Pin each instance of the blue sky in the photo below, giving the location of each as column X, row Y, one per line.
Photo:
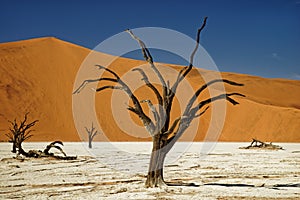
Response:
column 257, row 37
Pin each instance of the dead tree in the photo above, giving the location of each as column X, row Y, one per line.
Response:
column 47, row 153
column 164, row 133
column 19, row 132
column 91, row 134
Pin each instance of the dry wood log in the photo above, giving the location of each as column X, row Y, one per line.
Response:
column 257, row 144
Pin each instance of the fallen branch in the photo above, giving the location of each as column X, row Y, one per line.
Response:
column 46, row 153
column 257, row 144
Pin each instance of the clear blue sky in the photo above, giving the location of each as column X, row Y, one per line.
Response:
column 258, row 37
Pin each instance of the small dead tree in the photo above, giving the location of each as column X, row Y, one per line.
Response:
column 19, row 132
column 164, row 133
column 91, row 134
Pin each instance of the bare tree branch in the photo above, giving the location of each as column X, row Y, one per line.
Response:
column 174, row 87
column 176, row 121
column 109, row 87
column 144, row 49
column 27, row 135
column 92, row 129
column 153, row 110
column 183, row 125
column 95, row 133
column 184, row 122
column 53, row 145
column 201, row 89
column 23, row 128
column 198, row 41
column 85, row 82
column 150, row 85
column 149, row 59
column 181, row 75
column 183, row 72
column 86, row 129
column 108, row 70
column 146, row 120
column 200, row 114
column 156, row 92
column 19, row 133
column 137, row 107
column 22, row 123
column 210, row 100
column 132, row 109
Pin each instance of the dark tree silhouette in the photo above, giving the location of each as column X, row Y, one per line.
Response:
column 164, row 133
column 91, row 134
column 47, row 153
column 257, row 144
column 19, row 132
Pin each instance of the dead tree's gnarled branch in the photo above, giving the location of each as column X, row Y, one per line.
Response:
column 136, row 109
column 19, row 132
column 257, row 144
column 84, row 83
column 109, row 87
column 192, row 114
column 197, row 43
column 183, row 72
column 149, row 59
column 172, row 128
column 154, row 112
column 193, row 111
column 157, row 94
column 202, row 88
column 150, row 85
column 201, row 113
column 46, row 153
column 137, row 106
column 53, row 145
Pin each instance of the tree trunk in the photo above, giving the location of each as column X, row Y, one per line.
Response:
column 90, row 143
column 21, row 151
column 14, row 149
column 155, row 172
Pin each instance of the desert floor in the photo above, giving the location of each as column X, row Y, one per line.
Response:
column 117, row 171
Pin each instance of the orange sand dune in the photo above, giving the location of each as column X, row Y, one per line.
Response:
column 37, row 76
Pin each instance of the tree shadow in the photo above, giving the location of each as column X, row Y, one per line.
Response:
column 180, row 183
column 293, row 185
column 229, row 184
column 276, row 186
